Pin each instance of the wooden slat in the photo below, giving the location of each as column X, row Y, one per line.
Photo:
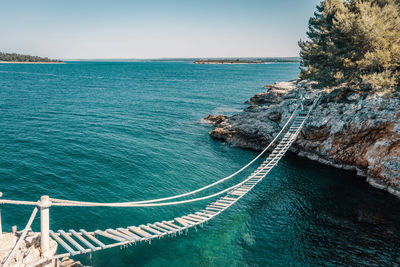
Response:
column 214, row 208
column 119, row 234
column 72, row 241
column 139, row 231
column 204, row 214
column 172, row 225
column 230, row 198
column 83, row 240
column 151, row 230
column 213, row 213
column 94, row 239
column 236, row 193
column 203, row 218
column 183, row 222
column 110, row 236
column 194, row 221
column 129, row 233
column 160, row 228
column 62, row 243
column 222, row 203
column 166, row 227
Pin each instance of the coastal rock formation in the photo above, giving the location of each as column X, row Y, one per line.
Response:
column 28, row 253
column 347, row 129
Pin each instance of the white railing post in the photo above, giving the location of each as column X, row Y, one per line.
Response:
column 45, row 204
column 1, row 228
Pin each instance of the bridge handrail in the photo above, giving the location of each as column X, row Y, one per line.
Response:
column 129, row 204
column 149, row 204
column 64, row 201
column 145, row 203
column 217, row 207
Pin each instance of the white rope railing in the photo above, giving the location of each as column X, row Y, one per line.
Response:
column 128, row 204
column 264, row 169
column 146, row 203
column 17, row 202
column 149, row 204
column 136, row 203
column 281, row 150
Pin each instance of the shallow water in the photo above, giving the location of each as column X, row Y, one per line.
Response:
column 133, row 131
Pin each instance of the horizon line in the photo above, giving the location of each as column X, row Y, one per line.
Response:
column 163, row 58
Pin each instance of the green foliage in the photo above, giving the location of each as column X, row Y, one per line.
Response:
column 355, row 41
column 13, row 57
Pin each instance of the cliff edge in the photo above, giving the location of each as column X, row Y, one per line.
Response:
column 347, row 129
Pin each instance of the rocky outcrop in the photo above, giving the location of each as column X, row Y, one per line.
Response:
column 28, row 252
column 347, row 129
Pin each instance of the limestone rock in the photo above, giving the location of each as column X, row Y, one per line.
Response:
column 28, row 253
column 215, row 119
column 346, row 129
column 67, row 262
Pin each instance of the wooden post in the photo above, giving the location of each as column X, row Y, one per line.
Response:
column 45, row 204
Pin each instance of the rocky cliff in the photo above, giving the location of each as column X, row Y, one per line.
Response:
column 347, row 129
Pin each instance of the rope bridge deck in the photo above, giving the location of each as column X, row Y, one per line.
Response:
column 76, row 242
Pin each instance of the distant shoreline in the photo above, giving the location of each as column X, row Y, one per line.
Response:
column 227, row 61
column 28, row 62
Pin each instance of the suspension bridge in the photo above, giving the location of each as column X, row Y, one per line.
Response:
column 74, row 242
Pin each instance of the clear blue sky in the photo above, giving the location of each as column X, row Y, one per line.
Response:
column 154, row 29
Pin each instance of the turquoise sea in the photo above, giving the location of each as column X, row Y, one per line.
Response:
column 101, row 131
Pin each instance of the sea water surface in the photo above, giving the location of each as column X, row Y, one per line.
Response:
column 108, row 132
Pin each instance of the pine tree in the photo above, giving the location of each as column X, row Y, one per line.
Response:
column 357, row 42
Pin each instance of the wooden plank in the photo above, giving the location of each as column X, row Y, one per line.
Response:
column 236, row 193
column 91, row 237
column 243, row 190
column 225, row 201
column 139, row 231
column 230, row 198
column 204, row 214
column 215, row 208
column 83, row 240
column 166, row 227
column 222, row 203
column 213, row 213
column 248, row 187
column 183, row 222
column 110, row 236
column 219, row 205
column 198, row 217
column 194, row 221
column 129, row 233
column 72, row 241
column 151, row 230
column 62, row 243
column 159, row 228
column 119, row 234
column 172, row 225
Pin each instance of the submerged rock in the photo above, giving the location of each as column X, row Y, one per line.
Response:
column 346, row 129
